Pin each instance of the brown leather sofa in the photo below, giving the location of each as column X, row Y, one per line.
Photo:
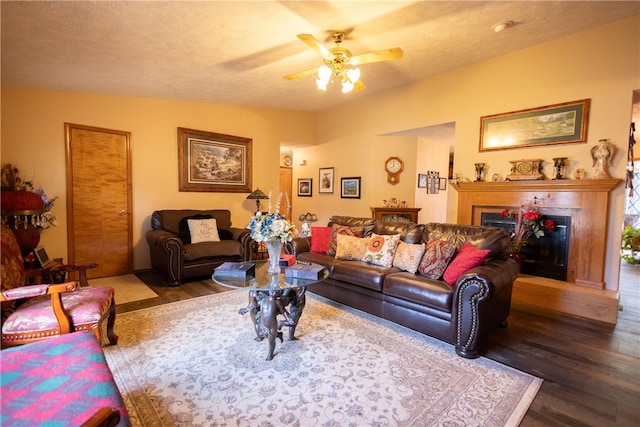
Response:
column 176, row 260
column 460, row 314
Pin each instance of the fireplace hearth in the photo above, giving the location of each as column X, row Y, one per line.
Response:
column 546, row 256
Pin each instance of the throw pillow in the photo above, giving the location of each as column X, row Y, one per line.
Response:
column 436, row 258
column 341, row 229
column 408, row 256
column 468, row 257
column 351, row 248
column 381, row 249
column 320, row 237
column 183, row 227
column 203, row 230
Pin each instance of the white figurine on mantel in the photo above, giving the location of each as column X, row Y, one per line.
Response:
column 601, row 155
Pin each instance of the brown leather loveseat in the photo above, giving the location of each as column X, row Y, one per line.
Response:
column 176, row 258
column 461, row 313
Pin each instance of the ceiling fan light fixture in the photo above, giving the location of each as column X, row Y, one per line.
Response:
column 347, row 86
column 353, row 74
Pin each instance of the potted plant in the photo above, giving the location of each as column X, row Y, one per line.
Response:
column 631, row 245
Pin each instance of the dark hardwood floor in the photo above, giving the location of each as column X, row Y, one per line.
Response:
column 591, row 370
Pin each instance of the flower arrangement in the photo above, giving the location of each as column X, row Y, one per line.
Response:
column 272, row 226
column 11, row 181
column 529, row 221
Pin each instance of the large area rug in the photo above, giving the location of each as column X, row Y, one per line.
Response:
column 128, row 288
column 196, row 363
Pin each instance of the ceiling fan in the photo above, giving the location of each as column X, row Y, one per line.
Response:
column 339, row 62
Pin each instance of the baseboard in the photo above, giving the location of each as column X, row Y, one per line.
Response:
column 565, row 297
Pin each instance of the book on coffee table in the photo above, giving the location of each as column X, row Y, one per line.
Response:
column 304, row 271
column 236, row 269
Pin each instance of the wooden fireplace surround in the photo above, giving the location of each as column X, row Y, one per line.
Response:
column 587, row 203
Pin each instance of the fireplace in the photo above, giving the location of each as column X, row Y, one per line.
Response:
column 586, row 204
column 546, row 256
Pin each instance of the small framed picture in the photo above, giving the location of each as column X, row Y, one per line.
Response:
column 443, row 184
column 325, row 177
column 350, row 187
column 305, row 187
column 422, row 180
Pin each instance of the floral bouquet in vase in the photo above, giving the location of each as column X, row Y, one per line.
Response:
column 529, row 222
column 274, row 229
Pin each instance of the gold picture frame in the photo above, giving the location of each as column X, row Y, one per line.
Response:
column 564, row 123
column 213, row 162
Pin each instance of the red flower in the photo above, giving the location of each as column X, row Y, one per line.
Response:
column 549, row 224
column 530, row 216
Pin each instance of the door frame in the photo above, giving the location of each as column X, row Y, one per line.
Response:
column 68, row 127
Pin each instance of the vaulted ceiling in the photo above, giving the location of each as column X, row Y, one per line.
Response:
column 236, row 52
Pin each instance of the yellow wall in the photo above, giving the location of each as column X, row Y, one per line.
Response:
column 602, row 64
column 33, row 140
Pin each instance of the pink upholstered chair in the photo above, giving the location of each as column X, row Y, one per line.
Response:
column 34, row 312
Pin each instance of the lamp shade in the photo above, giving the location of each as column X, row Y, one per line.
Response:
column 257, row 194
column 21, row 203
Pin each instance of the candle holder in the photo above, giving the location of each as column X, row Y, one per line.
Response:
column 479, row 169
column 560, row 167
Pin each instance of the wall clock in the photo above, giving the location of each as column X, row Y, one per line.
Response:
column 288, row 161
column 525, row 169
column 393, row 166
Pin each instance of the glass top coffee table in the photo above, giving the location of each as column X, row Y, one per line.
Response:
column 271, row 296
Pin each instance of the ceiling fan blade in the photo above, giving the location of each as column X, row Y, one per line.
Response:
column 301, row 74
column 378, row 56
column 314, row 44
column 359, row 86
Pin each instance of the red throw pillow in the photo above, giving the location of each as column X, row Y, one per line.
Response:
column 467, row 257
column 320, row 237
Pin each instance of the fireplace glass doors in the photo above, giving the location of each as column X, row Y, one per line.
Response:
column 546, row 256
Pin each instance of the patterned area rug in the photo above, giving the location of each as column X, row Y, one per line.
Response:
column 128, row 288
column 196, row 363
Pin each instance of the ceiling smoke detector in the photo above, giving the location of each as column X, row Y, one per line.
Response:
column 501, row 26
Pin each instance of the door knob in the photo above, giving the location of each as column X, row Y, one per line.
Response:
column 122, row 212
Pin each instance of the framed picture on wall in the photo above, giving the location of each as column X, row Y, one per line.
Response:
column 422, row 180
column 325, row 176
column 443, row 184
column 350, row 187
column 305, row 187
column 214, row 162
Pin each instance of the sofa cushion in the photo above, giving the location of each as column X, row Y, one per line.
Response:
column 467, row 258
column 223, row 248
column 350, row 221
column 408, row 256
column 203, row 230
column 341, row 229
column 361, row 274
column 381, row 249
column 436, row 258
column 351, row 248
column 169, row 219
column 420, row 290
column 320, row 237
column 409, row 232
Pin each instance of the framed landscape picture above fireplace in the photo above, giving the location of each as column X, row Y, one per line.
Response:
column 552, row 124
column 215, row 162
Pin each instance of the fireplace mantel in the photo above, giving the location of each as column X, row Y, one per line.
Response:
column 585, row 201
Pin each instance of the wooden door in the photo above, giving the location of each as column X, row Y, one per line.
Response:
column 286, row 186
column 99, row 199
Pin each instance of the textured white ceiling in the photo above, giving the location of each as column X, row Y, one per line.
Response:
column 236, row 52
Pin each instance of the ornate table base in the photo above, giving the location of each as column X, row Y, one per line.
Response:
column 264, row 307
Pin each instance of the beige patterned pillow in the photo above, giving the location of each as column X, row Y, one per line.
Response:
column 408, row 256
column 341, row 229
column 351, row 248
column 381, row 249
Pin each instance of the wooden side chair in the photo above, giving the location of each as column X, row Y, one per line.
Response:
column 34, row 312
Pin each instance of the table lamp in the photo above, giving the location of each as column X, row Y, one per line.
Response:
column 257, row 195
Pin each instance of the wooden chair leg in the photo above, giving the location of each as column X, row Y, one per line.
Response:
column 111, row 321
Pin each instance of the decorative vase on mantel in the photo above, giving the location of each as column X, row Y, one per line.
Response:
column 274, row 248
